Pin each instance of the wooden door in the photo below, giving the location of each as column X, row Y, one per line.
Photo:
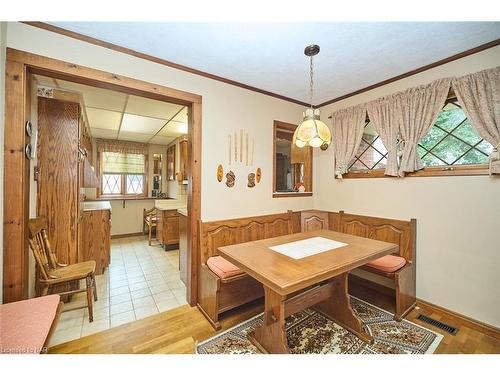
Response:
column 58, row 190
column 313, row 220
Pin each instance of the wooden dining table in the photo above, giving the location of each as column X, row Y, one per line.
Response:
column 295, row 282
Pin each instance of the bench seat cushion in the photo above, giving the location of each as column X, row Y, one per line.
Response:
column 388, row 263
column 223, row 268
column 26, row 324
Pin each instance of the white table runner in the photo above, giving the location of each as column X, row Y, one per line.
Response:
column 304, row 248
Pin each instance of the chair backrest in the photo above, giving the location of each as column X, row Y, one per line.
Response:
column 230, row 232
column 402, row 233
column 40, row 246
column 152, row 212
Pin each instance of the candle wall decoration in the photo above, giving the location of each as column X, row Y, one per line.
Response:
column 259, row 175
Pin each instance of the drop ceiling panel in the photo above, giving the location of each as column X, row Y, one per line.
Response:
column 96, row 97
column 136, row 137
column 141, row 124
column 104, row 133
column 159, row 140
column 182, row 116
column 102, row 119
column 153, row 108
column 174, row 129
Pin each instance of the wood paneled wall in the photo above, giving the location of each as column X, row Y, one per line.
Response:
column 402, row 233
column 229, row 232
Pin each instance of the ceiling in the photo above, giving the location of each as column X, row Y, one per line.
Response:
column 269, row 56
column 115, row 115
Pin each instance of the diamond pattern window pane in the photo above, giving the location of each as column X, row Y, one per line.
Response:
column 111, row 183
column 134, row 184
column 371, row 152
column 453, row 141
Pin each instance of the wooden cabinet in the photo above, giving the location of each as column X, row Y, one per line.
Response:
column 313, row 220
column 58, row 177
column 95, row 239
column 171, row 163
column 183, row 223
column 168, row 227
column 89, row 178
column 183, row 172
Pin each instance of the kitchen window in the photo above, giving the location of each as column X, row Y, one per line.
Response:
column 123, row 174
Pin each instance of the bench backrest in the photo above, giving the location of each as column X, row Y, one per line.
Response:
column 219, row 233
column 402, row 233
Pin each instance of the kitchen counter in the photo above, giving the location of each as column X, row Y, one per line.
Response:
column 183, row 211
column 96, row 206
column 169, row 204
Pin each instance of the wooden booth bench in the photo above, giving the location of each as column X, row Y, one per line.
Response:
column 223, row 286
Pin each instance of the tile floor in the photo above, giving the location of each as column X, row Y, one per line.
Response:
column 141, row 281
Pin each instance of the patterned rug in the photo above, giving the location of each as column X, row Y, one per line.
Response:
column 310, row 332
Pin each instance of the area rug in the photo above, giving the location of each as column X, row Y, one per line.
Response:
column 310, row 332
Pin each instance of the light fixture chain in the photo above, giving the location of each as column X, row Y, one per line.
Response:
column 311, row 84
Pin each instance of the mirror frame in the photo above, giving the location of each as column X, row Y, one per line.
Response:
column 308, row 172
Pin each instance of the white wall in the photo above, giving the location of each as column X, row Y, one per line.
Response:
column 458, row 218
column 225, row 109
column 3, row 41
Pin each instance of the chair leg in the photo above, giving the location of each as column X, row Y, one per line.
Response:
column 44, row 290
column 149, row 239
column 95, row 287
column 90, row 298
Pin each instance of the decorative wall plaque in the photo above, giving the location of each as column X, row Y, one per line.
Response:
column 251, row 180
column 230, row 178
column 220, row 173
column 259, row 175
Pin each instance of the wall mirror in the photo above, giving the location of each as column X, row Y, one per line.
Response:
column 292, row 165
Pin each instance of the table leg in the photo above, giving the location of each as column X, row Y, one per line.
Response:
column 338, row 308
column 271, row 336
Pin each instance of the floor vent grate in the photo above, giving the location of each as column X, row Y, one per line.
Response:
column 438, row 324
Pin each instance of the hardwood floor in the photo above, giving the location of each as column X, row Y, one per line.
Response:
column 177, row 331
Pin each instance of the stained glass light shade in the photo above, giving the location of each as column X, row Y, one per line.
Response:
column 312, row 131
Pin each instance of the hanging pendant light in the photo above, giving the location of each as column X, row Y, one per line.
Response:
column 312, row 131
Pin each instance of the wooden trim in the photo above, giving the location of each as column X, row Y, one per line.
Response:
column 459, row 170
column 457, row 56
column 19, row 65
column 128, row 51
column 126, row 235
column 461, row 319
column 308, row 175
column 292, row 195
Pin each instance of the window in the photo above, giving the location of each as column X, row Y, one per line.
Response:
column 451, row 142
column 372, row 153
column 122, row 173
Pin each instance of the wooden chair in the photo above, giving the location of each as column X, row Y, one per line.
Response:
column 53, row 273
column 150, row 220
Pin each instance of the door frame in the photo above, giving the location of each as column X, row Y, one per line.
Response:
column 19, row 67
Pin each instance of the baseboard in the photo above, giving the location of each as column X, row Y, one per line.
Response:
column 113, row 236
column 462, row 319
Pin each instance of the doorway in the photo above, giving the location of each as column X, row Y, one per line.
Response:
column 20, row 67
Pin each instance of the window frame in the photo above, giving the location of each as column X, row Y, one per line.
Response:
column 123, row 194
column 437, row 171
